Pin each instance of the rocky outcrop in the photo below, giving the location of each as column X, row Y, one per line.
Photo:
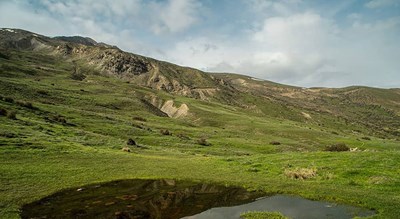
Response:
column 120, row 63
column 168, row 107
column 175, row 112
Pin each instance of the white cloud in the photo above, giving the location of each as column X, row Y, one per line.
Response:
column 174, row 15
column 296, row 32
column 171, row 16
column 284, row 49
column 277, row 7
column 381, row 3
column 199, row 52
column 91, row 9
column 303, row 49
column 15, row 15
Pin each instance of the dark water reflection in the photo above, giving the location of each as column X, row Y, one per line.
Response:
column 139, row 199
column 170, row 199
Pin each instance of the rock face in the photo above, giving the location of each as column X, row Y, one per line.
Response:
column 175, row 112
column 121, row 63
column 168, row 107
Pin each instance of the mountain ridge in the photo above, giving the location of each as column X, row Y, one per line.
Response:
column 364, row 106
column 87, row 41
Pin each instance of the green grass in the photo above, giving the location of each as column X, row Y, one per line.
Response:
column 262, row 215
column 39, row 155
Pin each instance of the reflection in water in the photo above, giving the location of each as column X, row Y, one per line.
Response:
column 138, row 199
column 292, row 207
column 170, row 199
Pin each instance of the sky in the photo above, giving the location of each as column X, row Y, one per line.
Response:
column 306, row 43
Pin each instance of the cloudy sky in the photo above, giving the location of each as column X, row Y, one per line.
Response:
column 298, row 42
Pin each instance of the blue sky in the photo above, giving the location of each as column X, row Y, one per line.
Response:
column 298, row 42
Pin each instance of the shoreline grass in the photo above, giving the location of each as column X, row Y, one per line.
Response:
column 29, row 175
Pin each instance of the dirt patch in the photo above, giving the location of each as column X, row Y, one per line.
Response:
column 306, row 115
column 173, row 111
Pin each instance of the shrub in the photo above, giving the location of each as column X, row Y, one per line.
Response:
column 56, row 118
column 138, row 118
column 300, row 173
column 78, row 76
column 60, row 119
column 7, row 134
column 275, row 143
column 165, row 132
column 3, row 112
column 4, row 55
column 337, row 147
column 137, row 126
column 25, row 104
column 131, row 142
column 366, row 138
column 182, row 136
column 203, row 141
column 43, row 92
column 9, row 99
column 12, row 115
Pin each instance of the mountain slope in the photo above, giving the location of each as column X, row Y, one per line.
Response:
column 72, row 108
column 369, row 111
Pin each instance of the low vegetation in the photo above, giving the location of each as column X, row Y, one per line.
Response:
column 26, row 104
column 275, row 143
column 12, row 114
column 3, row 112
column 203, row 141
column 301, row 173
column 130, row 142
column 338, row 147
column 165, row 132
column 262, row 215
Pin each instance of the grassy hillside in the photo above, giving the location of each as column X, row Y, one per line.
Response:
column 72, row 120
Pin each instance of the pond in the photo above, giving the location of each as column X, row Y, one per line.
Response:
column 170, row 199
column 291, row 207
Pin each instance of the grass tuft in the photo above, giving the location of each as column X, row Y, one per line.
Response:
column 262, row 215
column 301, row 173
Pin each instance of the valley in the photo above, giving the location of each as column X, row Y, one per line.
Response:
column 69, row 106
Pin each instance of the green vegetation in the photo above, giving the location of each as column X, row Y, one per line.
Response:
column 262, row 215
column 337, row 147
column 66, row 133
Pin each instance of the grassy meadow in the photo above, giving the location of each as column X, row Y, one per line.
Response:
column 69, row 133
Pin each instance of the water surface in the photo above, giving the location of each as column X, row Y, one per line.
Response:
column 139, row 199
column 292, row 207
column 170, row 199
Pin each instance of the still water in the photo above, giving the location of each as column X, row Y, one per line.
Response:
column 170, row 199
